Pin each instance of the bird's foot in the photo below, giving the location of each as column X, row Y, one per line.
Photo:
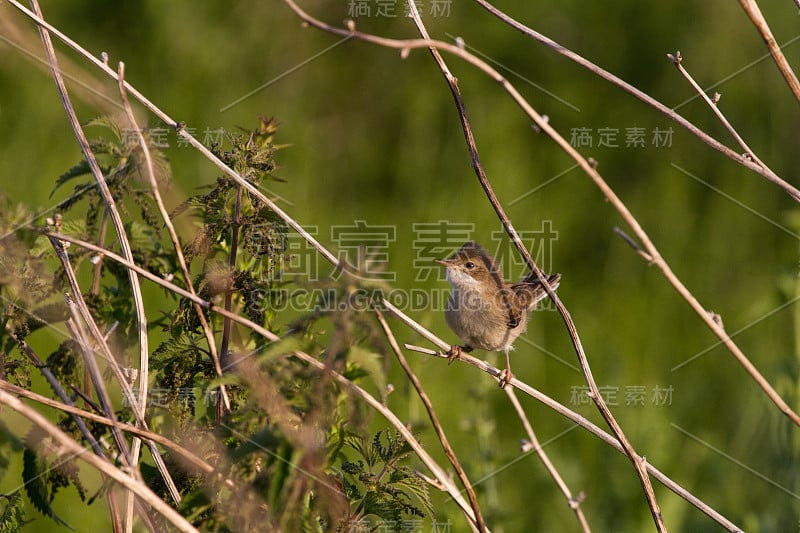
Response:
column 505, row 377
column 453, row 354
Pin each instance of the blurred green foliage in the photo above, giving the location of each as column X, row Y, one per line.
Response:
column 376, row 138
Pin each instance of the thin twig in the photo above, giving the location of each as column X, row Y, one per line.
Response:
column 77, row 306
column 437, row 426
column 573, row 502
column 754, row 12
column 157, row 438
column 594, row 391
column 144, row 355
column 644, row 97
column 579, row 420
column 452, row 490
column 97, row 273
column 176, row 244
column 68, row 448
column 633, row 244
column 111, row 208
column 677, row 60
column 481, row 365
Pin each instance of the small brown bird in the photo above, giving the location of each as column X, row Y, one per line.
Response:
column 485, row 311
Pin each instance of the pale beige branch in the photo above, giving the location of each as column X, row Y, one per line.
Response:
column 677, row 60
column 162, row 209
column 481, row 365
column 533, row 442
column 582, row 422
column 437, row 426
column 68, row 448
column 443, row 478
column 754, row 12
column 790, row 189
column 171, row 445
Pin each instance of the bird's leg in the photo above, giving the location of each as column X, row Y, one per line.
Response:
column 455, row 352
column 506, row 375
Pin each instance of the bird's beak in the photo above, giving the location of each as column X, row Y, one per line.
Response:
column 443, row 262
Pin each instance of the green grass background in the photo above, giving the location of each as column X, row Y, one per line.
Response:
column 376, row 137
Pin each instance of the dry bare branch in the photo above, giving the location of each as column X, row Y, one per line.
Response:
column 68, row 448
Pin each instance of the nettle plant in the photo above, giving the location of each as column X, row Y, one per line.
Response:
column 288, row 448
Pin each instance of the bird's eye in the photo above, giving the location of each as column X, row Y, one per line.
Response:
column 470, row 265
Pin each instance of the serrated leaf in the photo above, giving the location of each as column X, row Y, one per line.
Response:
column 418, row 488
column 34, row 476
column 13, row 516
column 107, row 122
column 78, row 170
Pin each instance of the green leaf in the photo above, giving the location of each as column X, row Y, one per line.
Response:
column 13, row 516
column 34, row 475
column 107, row 122
column 80, row 169
column 285, row 346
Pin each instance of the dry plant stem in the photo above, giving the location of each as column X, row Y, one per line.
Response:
column 57, row 388
column 578, row 420
column 754, row 12
column 588, row 168
column 677, row 60
column 111, row 208
column 481, row 365
column 68, row 447
column 81, row 414
column 399, row 44
column 97, row 274
column 649, row 247
column 136, row 443
column 440, row 475
column 644, row 97
column 77, row 306
column 224, row 349
column 437, row 426
column 423, row 43
column 633, row 244
column 637, row 461
column 173, row 235
column 574, row 503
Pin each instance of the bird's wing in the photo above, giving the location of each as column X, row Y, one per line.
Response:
column 530, row 293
